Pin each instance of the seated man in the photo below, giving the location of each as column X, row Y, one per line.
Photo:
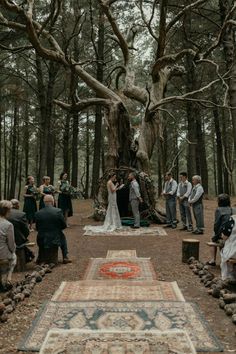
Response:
column 49, row 223
column 21, row 229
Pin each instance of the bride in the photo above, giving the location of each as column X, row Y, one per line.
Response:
column 112, row 220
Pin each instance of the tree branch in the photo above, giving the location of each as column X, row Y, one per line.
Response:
column 83, row 104
column 182, row 12
column 122, row 42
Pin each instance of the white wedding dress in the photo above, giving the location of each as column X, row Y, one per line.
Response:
column 112, row 220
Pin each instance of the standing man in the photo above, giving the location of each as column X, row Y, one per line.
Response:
column 169, row 192
column 195, row 200
column 49, row 223
column 183, row 193
column 135, row 199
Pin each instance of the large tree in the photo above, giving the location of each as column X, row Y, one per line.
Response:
column 152, row 31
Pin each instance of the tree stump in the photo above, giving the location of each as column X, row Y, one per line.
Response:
column 21, row 261
column 190, row 248
column 48, row 255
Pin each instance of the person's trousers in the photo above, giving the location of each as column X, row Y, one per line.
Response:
column 63, row 246
column 185, row 213
column 135, row 211
column 6, row 276
column 171, row 211
column 198, row 215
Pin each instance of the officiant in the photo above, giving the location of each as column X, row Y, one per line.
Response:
column 135, row 199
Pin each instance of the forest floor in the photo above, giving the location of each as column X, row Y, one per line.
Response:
column 165, row 253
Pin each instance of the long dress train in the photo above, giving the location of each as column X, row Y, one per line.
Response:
column 112, row 220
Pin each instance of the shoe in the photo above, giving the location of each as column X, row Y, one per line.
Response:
column 167, row 225
column 190, row 229
column 173, row 226
column 184, row 228
column 67, row 260
column 211, row 263
column 197, row 232
column 135, row 227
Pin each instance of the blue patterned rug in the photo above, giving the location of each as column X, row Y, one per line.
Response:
column 122, row 316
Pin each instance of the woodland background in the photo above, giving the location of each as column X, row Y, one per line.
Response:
column 96, row 84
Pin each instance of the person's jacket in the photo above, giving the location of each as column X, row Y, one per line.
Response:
column 21, row 229
column 49, row 223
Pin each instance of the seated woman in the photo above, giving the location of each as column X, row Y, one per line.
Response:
column 222, row 215
column 7, row 245
column 228, row 270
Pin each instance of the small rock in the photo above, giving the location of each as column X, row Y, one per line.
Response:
column 9, row 309
column 234, row 319
column 7, row 301
column 229, row 298
column 42, row 272
column 26, row 292
column 2, row 307
column 221, row 304
column 216, row 292
column 4, row 317
column 38, row 278
column 191, row 260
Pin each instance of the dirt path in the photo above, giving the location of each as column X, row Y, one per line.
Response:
column 165, row 253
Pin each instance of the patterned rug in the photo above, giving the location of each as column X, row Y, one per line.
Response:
column 121, row 254
column 120, row 269
column 88, row 342
column 127, row 231
column 120, row 291
column 122, row 316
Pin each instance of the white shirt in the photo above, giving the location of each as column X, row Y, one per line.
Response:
column 173, row 186
column 199, row 192
column 189, row 189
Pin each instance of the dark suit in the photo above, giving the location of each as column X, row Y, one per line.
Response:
column 49, row 223
column 21, row 229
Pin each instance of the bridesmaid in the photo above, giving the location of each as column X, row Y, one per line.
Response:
column 64, row 198
column 46, row 188
column 30, row 205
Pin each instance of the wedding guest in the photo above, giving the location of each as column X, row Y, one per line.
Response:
column 196, row 202
column 228, row 270
column 169, row 192
column 222, row 215
column 64, row 198
column 49, row 224
column 30, row 205
column 21, row 229
column 7, row 245
column 45, row 188
column 135, row 199
column 183, row 193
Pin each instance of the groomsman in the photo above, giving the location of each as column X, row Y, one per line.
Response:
column 195, row 200
column 135, row 199
column 169, row 192
column 183, row 193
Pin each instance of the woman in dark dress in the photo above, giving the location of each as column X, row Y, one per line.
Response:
column 64, row 198
column 46, row 188
column 30, row 205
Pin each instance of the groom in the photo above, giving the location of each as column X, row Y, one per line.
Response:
column 135, row 199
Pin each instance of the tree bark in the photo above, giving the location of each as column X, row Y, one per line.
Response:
column 219, row 149
column 98, row 110
column 13, row 148
column 66, row 144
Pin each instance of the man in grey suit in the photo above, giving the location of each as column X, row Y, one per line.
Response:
column 135, row 199
column 49, row 223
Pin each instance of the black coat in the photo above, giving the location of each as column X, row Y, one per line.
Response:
column 21, row 229
column 49, row 223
